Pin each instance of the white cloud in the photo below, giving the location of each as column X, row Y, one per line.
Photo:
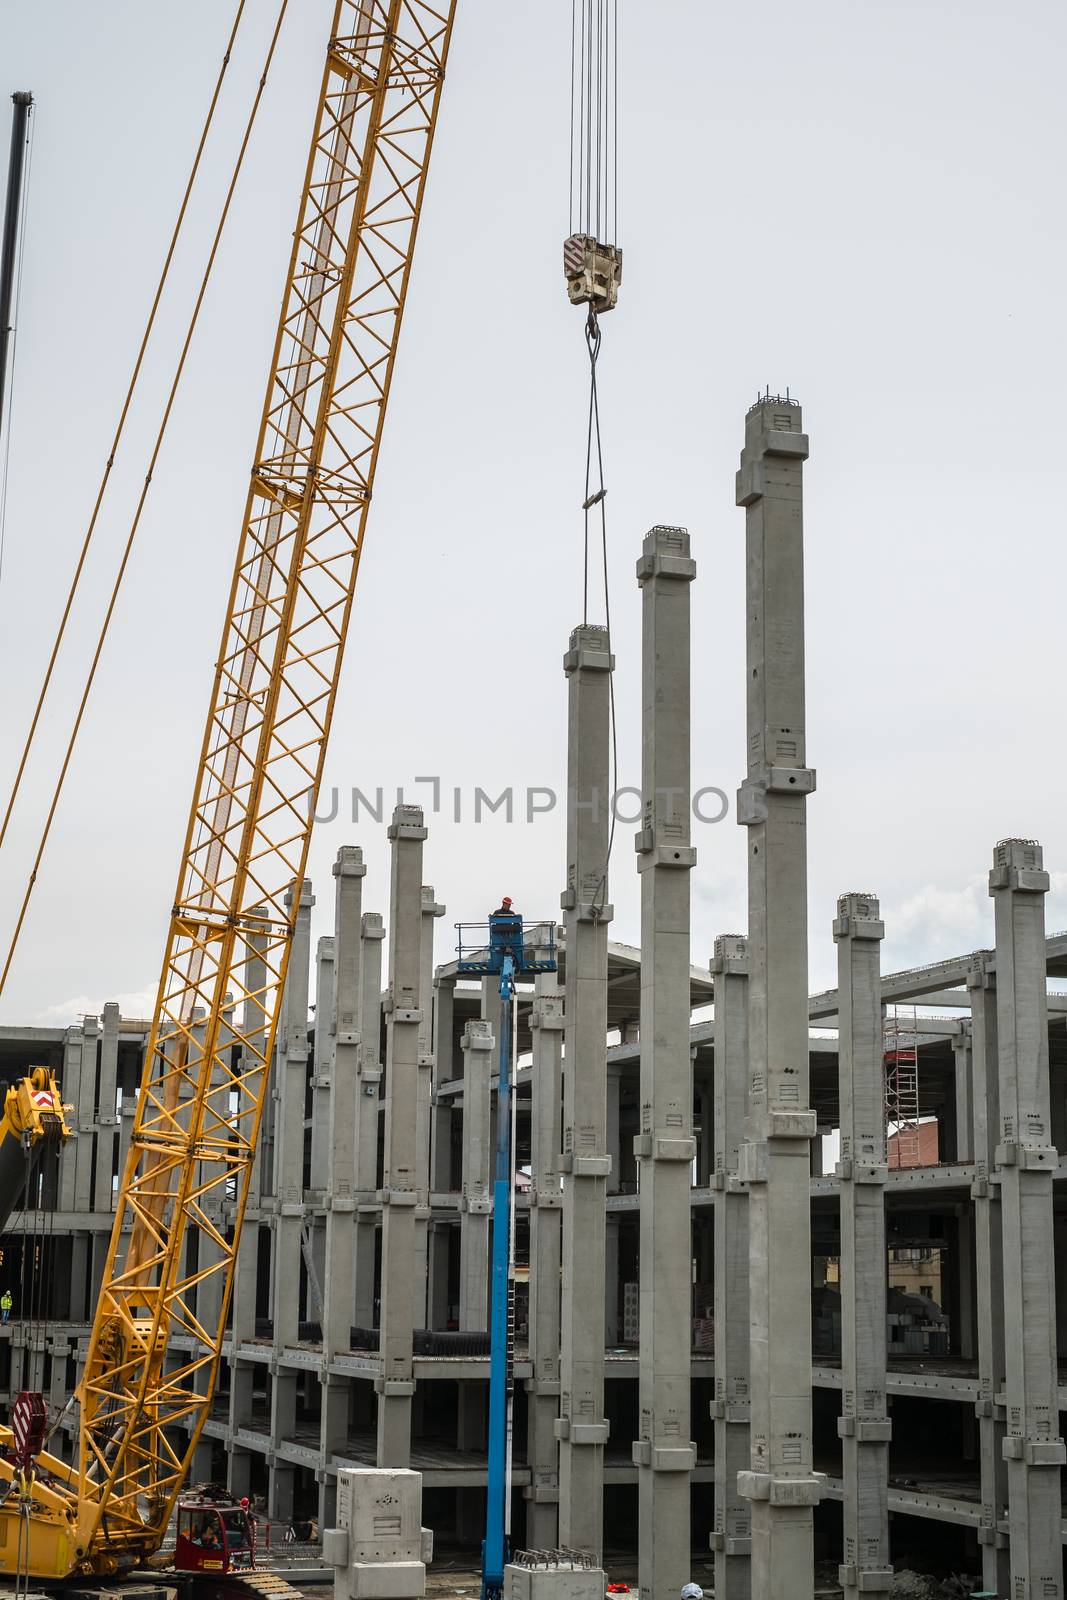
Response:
column 134, row 1003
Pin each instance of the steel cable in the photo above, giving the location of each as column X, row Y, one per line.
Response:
column 6, row 469
column 120, row 429
column 105, row 626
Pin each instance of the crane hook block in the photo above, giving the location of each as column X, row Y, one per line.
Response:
column 593, row 272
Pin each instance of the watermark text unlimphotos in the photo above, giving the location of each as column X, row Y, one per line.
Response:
column 514, row 803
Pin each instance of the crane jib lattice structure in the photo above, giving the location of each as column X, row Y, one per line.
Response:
column 205, row 1078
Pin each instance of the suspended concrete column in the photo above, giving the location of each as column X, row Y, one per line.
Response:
column 291, row 1080
column 246, row 1265
column 395, row 1383
column 1026, row 1162
column 372, row 937
column 546, row 1201
column 864, row 1424
column 665, row 1147
column 731, row 1539
column 989, row 1268
column 781, row 1484
column 581, row 1427
column 338, row 1288
column 430, row 911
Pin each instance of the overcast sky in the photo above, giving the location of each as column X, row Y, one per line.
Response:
column 862, row 201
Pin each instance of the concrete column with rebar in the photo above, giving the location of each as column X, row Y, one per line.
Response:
column 731, row 1539
column 863, row 1425
column 395, row 1383
column 781, row 1483
column 582, row 1428
column 1027, row 1161
column 665, row 1147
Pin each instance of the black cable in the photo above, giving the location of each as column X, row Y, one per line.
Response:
column 598, row 497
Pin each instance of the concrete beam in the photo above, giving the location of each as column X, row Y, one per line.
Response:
column 665, row 1147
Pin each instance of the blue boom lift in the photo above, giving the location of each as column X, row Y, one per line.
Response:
column 502, row 949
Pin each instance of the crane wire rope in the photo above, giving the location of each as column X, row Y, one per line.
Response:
column 593, row 200
column 5, row 470
column 120, row 427
column 157, row 446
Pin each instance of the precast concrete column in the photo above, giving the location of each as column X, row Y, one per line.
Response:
column 546, row 1201
column 989, row 1270
column 963, row 1073
column 70, row 1086
column 444, row 1001
column 731, row 1539
column 372, row 936
column 863, row 1425
column 340, row 1258
column 246, row 1265
column 1026, row 1162
column 664, row 1453
column 291, row 1080
column 85, row 1110
column 107, row 1117
column 479, row 1047
column 424, row 1100
column 322, row 1076
column 777, row 1156
column 613, row 1145
column 581, row 1427
column 395, row 1383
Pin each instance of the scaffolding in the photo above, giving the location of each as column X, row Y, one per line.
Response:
column 901, row 1055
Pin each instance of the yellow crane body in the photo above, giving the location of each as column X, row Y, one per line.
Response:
column 206, row 1067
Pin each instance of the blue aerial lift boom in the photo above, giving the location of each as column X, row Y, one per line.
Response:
column 503, row 950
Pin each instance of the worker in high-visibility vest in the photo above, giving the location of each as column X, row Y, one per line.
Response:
column 5, row 1306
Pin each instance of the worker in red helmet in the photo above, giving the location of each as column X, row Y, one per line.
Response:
column 505, row 908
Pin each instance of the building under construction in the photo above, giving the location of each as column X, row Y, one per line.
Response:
column 779, row 1257
column 624, row 1250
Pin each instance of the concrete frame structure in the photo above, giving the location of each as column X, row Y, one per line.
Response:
column 358, row 1169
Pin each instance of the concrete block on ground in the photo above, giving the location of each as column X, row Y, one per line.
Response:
column 380, row 1548
column 565, row 1580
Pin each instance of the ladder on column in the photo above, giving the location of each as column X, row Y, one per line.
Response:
column 901, row 1055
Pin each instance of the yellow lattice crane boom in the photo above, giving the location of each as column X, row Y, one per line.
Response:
column 206, row 1067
